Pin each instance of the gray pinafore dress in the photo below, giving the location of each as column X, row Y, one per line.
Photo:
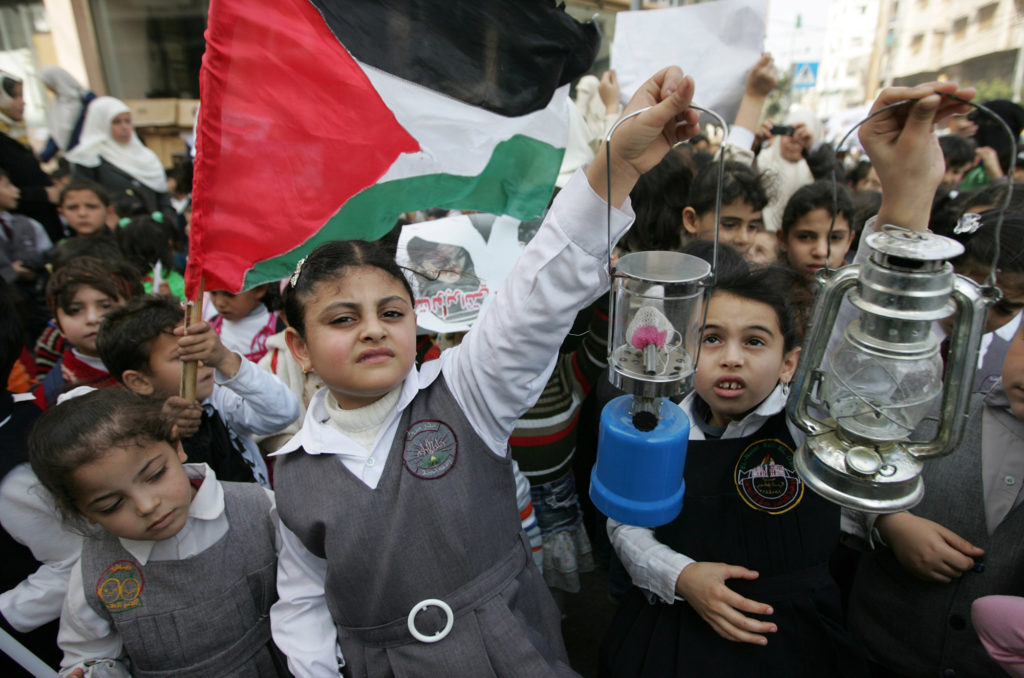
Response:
column 442, row 524
column 205, row 616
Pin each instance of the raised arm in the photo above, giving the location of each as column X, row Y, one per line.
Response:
column 905, row 151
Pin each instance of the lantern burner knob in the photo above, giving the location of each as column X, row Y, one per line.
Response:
column 863, row 461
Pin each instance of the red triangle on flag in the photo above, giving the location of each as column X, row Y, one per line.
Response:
column 289, row 129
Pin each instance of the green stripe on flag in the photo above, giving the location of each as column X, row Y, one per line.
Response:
column 371, row 213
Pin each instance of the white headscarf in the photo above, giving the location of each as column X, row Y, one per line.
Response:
column 8, row 125
column 63, row 111
column 96, row 144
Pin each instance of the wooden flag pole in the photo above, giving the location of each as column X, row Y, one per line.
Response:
column 190, row 369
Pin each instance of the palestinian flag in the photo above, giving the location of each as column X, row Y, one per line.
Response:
column 326, row 119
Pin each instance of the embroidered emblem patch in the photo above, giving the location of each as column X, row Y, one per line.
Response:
column 430, row 449
column 120, row 586
column 766, row 478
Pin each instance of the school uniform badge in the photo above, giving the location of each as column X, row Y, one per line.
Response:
column 120, row 586
column 430, row 449
column 766, row 478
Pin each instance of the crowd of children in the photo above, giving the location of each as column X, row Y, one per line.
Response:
column 331, row 503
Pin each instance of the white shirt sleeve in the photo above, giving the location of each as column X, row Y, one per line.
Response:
column 300, row 621
column 652, row 565
column 504, row 362
column 29, row 514
column 84, row 635
column 254, row 401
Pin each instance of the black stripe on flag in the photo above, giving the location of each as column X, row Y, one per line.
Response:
column 506, row 56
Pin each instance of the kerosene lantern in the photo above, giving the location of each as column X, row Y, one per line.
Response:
column 655, row 316
column 886, row 373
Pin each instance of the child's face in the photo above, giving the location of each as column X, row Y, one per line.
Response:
column 954, row 175
column 164, row 377
column 807, row 243
column 9, row 194
column 1013, row 374
column 137, row 492
column 870, row 182
column 1006, row 309
column 742, row 357
column 764, row 250
column 360, row 335
column 84, row 211
column 739, row 224
column 81, row 320
column 236, row 306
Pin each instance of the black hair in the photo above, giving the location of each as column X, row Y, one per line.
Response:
column 131, row 203
column 126, row 335
column 818, row 195
column 271, row 298
column 3, row 173
column 769, row 285
column 330, row 261
column 100, row 245
column 730, row 262
column 991, row 196
column 144, row 241
column 12, row 332
column 80, row 184
column 957, row 150
column 979, row 246
column 63, row 169
column 824, row 165
column 858, row 173
column 116, row 279
column 9, row 82
column 740, row 183
column 658, row 199
column 81, row 430
column 990, row 133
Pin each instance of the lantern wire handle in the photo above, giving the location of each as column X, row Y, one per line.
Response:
column 990, row 281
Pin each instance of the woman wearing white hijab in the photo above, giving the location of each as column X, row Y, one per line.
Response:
column 110, row 153
column 18, row 160
column 65, row 114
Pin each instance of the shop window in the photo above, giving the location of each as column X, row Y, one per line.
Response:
column 151, row 48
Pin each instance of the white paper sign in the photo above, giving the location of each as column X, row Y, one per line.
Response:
column 715, row 42
column 456, row 264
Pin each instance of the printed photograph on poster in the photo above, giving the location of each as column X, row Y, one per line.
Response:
column 455, row 265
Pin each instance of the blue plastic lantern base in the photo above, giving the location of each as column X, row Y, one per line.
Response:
column 638, row 477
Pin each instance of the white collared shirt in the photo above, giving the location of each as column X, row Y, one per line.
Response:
column 495, row 374
column 84, row 634
column 253, row 402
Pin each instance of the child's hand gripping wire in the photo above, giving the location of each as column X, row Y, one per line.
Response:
column 900, row 140
column 640, row 143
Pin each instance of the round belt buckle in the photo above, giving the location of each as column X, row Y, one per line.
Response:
column 421, row 607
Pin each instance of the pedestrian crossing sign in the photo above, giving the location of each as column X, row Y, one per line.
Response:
column 805, row 75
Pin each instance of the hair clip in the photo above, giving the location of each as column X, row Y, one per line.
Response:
column 968, row 223
column 295, row 276
column 158, row 217
column 124, row 221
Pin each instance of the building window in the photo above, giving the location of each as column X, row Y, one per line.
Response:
column 916, row 43
column 960, row 28
column 987, row 15
column 150, row 48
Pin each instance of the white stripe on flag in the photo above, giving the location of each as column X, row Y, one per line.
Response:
column 457, row 138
